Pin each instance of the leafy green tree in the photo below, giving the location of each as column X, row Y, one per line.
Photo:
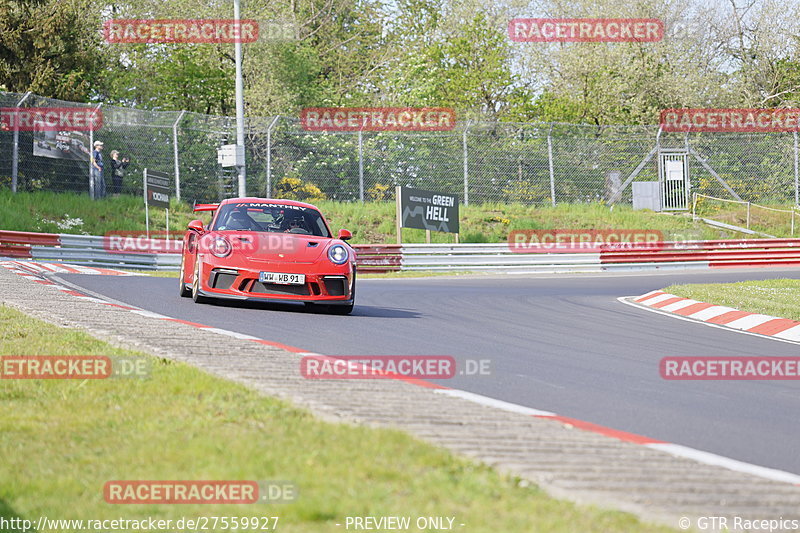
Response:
column 191, row 77
column 50, row 47
column 462, row 62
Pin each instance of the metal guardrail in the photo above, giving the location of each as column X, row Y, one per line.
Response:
column 492, row 257
column 89, row 250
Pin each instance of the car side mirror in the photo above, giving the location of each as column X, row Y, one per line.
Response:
column 196, row 225
column 344, row 235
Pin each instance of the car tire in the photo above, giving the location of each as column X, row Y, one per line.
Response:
column 196, row 296
column 184, row 292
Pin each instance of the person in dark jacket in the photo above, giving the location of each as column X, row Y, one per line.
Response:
column 118, row 167
column 97, row 171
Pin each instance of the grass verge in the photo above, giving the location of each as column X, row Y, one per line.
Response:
column 776, row 297
column 61, row 440
column 778, row 219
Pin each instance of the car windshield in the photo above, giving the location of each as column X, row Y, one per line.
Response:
column 270, row 217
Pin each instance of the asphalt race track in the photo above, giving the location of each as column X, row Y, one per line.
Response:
column 556, row 343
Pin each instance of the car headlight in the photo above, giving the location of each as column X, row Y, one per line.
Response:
column 338, row 254
column 220, row 247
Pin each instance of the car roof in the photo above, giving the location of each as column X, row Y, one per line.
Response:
column 266, row 200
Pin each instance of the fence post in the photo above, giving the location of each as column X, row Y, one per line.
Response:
column 91, row 154
column 550, row 165
column 269, row 156
column 796, row 187
column 15, row 151
column 466, row 164
column 175, row 156
column 361, row 166
column 748, row 215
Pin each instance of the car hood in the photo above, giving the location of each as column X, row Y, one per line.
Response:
column 262, row 246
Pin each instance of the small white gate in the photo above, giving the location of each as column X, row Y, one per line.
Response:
column 673, row 175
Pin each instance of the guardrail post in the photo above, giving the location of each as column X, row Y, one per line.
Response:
column 175, row 156
column 550, row 165
column 466, row 163
column 748, row 215
column 15, row 151
column 269, row 156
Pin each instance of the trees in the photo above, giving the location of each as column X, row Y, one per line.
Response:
column 453, row 53
column 51, row 47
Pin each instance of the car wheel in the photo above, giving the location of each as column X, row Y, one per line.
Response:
column 196, row 296
column 185, row 293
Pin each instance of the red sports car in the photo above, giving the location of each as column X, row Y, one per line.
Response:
column 262, row 249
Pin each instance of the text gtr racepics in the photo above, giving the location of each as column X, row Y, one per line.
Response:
column 261, row 249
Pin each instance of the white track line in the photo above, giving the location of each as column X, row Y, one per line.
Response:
column 676, row 450
column 491, row 402
column 233, row 334
column 791, row 334
column 725, row 462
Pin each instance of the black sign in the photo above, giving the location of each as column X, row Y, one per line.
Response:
column 430, row 210
column 156, row 187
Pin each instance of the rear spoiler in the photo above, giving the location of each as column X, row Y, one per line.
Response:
column 205, row 207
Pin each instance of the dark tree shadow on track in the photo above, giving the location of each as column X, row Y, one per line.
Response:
column 374, row 311
column 359, row 310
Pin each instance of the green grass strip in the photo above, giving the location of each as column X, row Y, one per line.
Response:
column 775, row 297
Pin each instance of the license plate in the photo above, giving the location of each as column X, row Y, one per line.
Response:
column 281, row 278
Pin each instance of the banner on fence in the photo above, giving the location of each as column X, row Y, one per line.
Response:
column 72, row 145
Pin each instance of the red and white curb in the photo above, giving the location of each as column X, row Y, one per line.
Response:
column 673, row 449
column 719, row 315
column 63, row 268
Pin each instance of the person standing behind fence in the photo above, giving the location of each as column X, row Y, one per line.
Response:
column 97, row 170
column 118, row 167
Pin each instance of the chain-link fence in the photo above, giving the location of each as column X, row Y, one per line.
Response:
column 484, row 162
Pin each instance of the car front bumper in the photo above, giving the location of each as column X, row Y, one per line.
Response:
column 333, row 286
